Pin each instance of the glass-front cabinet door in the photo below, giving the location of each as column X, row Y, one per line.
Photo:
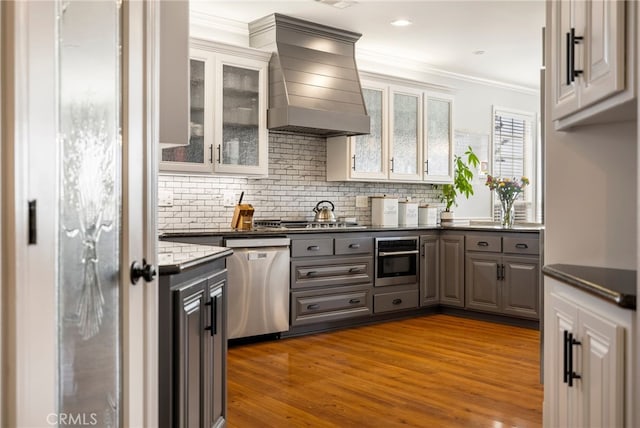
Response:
column 228, row 116
column 368, row 152
column 406, row 134
column 196, row 156
column 240, row 132
column 438, row 144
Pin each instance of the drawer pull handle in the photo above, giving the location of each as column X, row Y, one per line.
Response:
column 396, row 301
column 313, row 307
column 483, row 244
column 523, row 246
column 312, row 273
column 313, row 248
column 354, row 246
column 355, row 270
column 354, row 301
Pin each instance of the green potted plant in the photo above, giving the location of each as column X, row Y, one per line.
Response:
column 462, row 176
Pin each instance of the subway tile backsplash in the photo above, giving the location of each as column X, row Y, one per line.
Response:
column 296, row 183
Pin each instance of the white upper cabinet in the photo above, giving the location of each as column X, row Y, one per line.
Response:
column 592, row 61
column 438, row 139
column 227, row 113
column 411, row 137
column 405, row 142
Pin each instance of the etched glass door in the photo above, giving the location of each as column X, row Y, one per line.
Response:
column 405, row 138
column 438, row 142
column 367, row 151
column 89, row 108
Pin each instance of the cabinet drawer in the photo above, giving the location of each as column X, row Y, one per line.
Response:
column 331, row 305
column 354, row 246
column 331, row 272
column 484, row 243
column 521, row 245
column 395, row 301
column 312, row 247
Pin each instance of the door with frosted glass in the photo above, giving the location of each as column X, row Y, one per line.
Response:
column 99, row 135
column 406, row 136
column 438, row 159
column 368, row 156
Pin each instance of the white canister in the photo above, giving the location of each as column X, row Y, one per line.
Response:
column 384, row 211
column 408, row 213
column 427, row 216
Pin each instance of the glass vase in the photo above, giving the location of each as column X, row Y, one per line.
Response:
column 507, row 214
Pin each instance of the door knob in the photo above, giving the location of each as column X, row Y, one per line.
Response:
column 146, row 271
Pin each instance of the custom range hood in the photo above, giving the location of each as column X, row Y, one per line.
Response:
column 314, row 87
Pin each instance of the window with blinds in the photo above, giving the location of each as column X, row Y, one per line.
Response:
column 513, row 155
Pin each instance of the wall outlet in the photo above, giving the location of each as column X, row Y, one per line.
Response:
column 362, row 201
column 165, row 198
column 229, row 199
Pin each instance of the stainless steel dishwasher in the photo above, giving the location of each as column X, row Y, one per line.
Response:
column 258, row 292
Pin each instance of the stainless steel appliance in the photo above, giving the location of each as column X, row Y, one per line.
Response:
column 258, row 293
column 396, row 260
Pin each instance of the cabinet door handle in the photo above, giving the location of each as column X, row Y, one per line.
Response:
column 313, row 248
column 353, row 158
column 568, row 58
column 482, row 244
column 391, row 164
column 213, row 327
column 396, row 301
column 210, row 153
column 313, row 306
column 354, row 246
column 571, row 374
column 502, row 272
column 565, row 355
column 426, row 167
column 498, row 272
column 573, row 41
column 354, row 301
column 522, row 246
column 219, row 155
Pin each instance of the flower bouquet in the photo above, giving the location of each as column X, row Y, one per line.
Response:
column 508, row 191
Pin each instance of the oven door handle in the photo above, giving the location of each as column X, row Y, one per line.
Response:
column 396, row 253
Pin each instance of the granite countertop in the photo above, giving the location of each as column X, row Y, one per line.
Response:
column 617, row 286
column 226, row 231
column 175, row 257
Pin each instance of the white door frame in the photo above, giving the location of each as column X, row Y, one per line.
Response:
column 28, row 272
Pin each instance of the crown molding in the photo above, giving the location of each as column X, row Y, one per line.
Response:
column 204, row 19
column 409, row 64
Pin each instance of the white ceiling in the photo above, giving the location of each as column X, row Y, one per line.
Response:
column 444, row 34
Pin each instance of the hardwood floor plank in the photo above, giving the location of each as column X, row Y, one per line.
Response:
column 432, row 371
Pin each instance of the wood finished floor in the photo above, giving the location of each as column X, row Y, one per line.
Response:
column 431, row 371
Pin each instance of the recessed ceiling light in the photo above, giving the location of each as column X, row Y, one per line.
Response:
column 400, row 23
column 340, row 4
column 478, row 52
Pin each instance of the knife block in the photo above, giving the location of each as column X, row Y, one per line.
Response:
column 242, row 217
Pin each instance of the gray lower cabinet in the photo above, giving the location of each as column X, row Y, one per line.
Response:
column 193, row 348
column 503, row 275
column 452, row 269
column 331, row 278
column 429, row 270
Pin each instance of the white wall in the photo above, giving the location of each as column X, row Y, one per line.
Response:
column 591, row 196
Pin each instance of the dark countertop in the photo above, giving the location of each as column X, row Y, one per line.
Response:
column 617, row 286
column 227, row 231
column 175, row 257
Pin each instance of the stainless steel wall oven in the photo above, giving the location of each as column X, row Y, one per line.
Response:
column 396, row 260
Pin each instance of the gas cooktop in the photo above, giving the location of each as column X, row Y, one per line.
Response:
column 277, row 224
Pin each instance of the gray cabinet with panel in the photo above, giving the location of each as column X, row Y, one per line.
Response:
column 429, row 270
column 503, row 274
column 193, row 347
column 331, row 278
column 452, row 269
